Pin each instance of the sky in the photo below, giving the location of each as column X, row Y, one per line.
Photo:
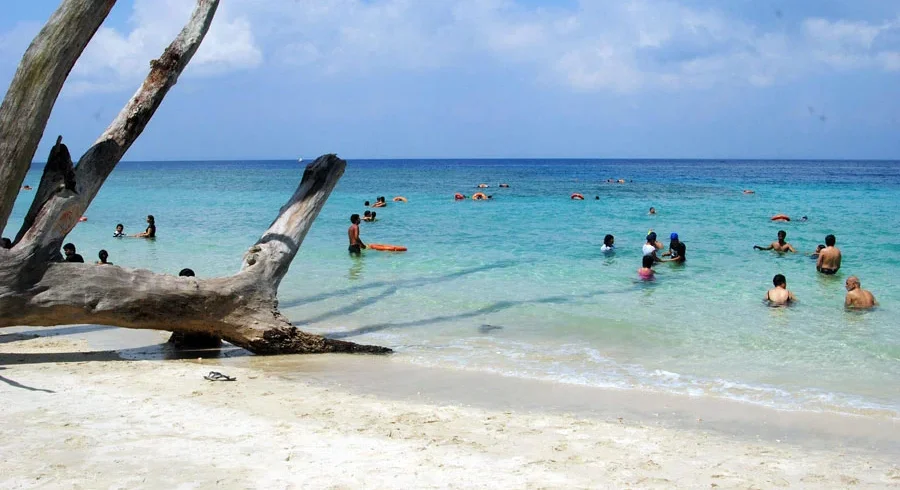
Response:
column 284, row 79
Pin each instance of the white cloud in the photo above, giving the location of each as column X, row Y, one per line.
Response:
column 114, row 60
column 620, row 46
column 849, row 45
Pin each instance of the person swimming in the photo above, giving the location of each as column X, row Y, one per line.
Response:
column 779, row 295
column 646, row 272
column 120, row 231
column 103, row 255
column 608, row 244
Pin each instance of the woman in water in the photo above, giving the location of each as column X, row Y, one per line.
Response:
column 779, row 295
column 608, row 244
column 646, row 272
column 150, row 232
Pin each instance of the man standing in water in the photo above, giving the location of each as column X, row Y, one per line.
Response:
column 779, row 245
column 356, row 245
column 829, row 260
column 857, row 297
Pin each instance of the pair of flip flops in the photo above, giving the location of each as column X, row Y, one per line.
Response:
column 217, row 376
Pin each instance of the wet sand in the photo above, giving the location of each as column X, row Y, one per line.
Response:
column 90, row 407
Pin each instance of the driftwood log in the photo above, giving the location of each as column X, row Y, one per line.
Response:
column 38, row 289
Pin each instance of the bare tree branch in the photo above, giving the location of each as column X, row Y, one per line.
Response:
column 36, row 86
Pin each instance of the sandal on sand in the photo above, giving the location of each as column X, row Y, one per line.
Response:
column 217, row 376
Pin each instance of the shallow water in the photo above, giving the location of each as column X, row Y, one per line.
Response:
column 517, row 286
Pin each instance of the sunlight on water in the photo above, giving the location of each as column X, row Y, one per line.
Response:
column 518, row 286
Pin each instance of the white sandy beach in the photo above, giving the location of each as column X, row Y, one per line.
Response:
column 76, row 417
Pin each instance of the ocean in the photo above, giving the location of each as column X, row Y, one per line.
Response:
column 518, row 286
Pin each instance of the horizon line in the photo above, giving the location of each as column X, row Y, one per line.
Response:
column 704, row 159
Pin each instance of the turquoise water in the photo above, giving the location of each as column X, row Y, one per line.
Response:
column 518, row 285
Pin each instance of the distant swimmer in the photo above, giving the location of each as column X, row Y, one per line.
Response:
column 652, row 210
column 356, row 245
column 779, row 295
column 779, row 245
column 596, row 198
column 458, row 196
column 26, row 187
column 379, row 202
column 857, row 297
column 621, row 181
column 646, row 272
column 150, row 232
column 120, row 231
column 829, row 260
column 483, row 186
column 749, row 191
column 504, row 185
column 103, row 255
column 608, row 244
column 366, row 204
column 367, row 216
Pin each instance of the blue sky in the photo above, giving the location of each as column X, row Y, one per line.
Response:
column 493, row 78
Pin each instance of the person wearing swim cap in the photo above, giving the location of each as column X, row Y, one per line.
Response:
column 676, row 251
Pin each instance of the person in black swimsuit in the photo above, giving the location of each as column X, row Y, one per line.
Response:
column 150, row 232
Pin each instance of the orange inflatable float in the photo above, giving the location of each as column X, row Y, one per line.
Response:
column 386, row 248
column 577, row 197
column 458, row 196
column 781, row 217
column 479, row 196
column 400, row 199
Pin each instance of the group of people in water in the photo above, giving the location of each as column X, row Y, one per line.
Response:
column 71, row 255
column 828, row 262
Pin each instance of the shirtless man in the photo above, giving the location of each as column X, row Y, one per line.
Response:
column 857, row 297
column 779, row 245
column 829, row 261
column 356, row 245
column 779, row 295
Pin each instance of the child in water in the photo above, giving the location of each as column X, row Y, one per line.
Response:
column 646, row 272
column 120, row 231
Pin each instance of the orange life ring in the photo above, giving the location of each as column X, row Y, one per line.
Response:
column 82, row 219
column 781, row 217
column 479, row 196
column 458, row 196
column 386, row 248
column 400, row 199
column 577, row 197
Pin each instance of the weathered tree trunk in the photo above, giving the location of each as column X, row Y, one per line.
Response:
column 37, row 289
